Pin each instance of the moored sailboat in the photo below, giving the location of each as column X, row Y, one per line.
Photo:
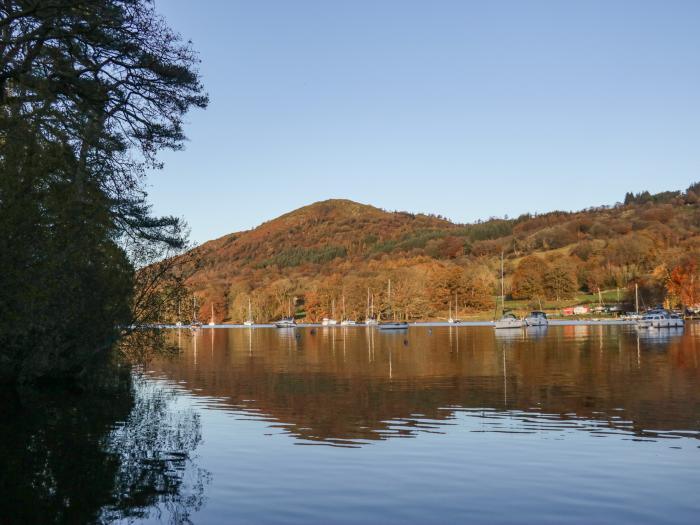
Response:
column 211, row 320
column 507, row 320
column 455, row 319
column 346, row 321
column 289, row 321
column 391, row 325
column 330, row 321
column 370, row 319
column 249, row 321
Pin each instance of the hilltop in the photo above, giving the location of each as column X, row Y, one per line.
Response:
column 315, row 255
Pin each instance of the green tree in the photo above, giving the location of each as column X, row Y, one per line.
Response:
column 559, row 280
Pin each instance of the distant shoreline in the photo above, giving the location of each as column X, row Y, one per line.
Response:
column 552, row 322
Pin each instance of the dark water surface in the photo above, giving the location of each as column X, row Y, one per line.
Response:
column 570, row 424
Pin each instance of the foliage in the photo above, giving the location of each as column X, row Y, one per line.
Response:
column 90, row 91
column 550, row 257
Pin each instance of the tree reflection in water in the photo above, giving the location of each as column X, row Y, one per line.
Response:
column 117, row 449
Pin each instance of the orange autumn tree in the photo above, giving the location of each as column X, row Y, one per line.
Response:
column 684, row 283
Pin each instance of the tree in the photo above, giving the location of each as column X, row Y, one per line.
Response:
column 559, row 280
column 684, row 283
column 476, row 288
column 90, row 92
column 528, row 279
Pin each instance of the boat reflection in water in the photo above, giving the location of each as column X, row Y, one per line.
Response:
column 211, row 432
column 661, row 336
column 314, row 384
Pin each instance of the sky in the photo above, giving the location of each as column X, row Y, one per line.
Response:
column 459, row 108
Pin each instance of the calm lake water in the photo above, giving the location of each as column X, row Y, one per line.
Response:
column 570, row 424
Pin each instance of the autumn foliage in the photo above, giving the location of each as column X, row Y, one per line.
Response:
column 314, row 257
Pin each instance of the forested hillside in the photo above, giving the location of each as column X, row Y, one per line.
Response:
column 321, row 253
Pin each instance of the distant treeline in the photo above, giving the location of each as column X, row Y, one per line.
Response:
column 328, row 250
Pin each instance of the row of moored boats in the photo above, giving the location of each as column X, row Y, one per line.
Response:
column 652, row 319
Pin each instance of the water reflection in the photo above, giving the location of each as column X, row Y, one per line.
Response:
column 351, row 386
column 115, row 450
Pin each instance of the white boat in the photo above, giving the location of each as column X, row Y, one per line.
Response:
column 660, row 319
column 286, row 322
column 370, row 320
column 249, row 321
column 178, row 322
column 211, row 321
column 509, row 321
column 195, row 324
column 393, row 325
column 453, row 320
column 537, row 318
column 346, row 321
column 330, row 321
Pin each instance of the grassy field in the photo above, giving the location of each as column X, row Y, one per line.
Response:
column 553, row 308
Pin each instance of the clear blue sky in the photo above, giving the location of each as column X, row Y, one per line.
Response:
column 462, row 108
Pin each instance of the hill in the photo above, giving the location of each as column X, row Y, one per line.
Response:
column 314, row 256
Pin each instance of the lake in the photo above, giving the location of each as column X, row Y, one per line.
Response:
column 566, row 424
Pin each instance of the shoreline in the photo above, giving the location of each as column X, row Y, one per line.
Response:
column 427, row 324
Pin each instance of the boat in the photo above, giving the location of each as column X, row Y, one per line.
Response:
column 346, row 321
column 393, row 325
column 249, row 321
column 370, row 319
column 453, row 320
column 508, row 319
column 211, row 321
column 289, row 321
column 660, row 318
column 330, row 321
column 536, row 318
column 286, row 322
column 195, row 324
column 178, row 322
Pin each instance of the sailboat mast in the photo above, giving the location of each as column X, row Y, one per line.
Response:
column 389, row 298
column 503, row 290
column 636, row 297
